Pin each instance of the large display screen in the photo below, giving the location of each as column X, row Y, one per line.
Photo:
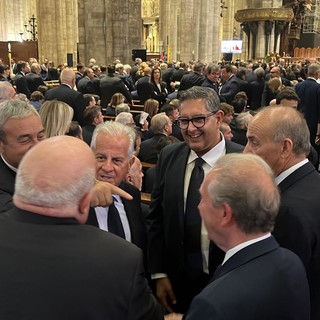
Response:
column 231, row 46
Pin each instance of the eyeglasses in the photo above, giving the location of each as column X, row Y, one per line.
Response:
column 197, row 121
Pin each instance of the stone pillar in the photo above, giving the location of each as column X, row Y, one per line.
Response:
column 57, row 29
column 109, row 30
column 253, row 18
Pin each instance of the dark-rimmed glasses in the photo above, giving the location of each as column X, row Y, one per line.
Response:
column 197, row 121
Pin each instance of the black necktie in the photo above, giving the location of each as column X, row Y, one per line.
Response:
column 193, row 221
column 114, row 221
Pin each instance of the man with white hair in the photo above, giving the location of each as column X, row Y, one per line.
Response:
column 62, row 268
column 113, row 146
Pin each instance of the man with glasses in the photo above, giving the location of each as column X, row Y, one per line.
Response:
column 181, row 258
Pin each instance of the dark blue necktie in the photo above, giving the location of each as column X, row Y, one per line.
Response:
column 192, row 232
column 114, row 221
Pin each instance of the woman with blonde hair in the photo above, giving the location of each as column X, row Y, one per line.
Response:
column 56, row 117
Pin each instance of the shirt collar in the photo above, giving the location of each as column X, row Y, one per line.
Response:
column 242, row 245
column 9, row 165
column 287, row 172
column 212, row 155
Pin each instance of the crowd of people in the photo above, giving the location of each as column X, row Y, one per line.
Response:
column 233, row 224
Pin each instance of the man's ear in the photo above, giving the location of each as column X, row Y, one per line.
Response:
column 227, row 218
column 287, row 146
column 83, row 208
column 131, row 162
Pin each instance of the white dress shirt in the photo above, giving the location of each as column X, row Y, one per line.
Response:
column 102, row 217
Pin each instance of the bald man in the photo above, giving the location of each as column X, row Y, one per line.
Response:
column 64, row 92
column 280, row 136
column 53, row 266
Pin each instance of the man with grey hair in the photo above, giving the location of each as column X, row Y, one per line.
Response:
column 125, row 118
column 213, row 79
column 62, row 268
column 20, row 130
column 257, row 278
column 280, row 136
column 181, row 258
column 161, row 125
column 7, row 91
column 33, row 78
column 113, row 146
column 309, row 94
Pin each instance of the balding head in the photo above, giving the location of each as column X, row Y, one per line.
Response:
column 52, row 181
column 68, row 76
column 280, row 136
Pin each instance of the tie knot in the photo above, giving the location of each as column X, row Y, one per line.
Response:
column 199, row 162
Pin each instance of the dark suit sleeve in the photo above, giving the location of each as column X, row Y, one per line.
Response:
column 155, row 225
column 142, row 303
column 22, row 87
column 79, row 109
column 202, row 308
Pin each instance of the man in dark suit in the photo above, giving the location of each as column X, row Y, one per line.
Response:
column 112, row 84
column 194, row 78
column 161, row 126
column 230, row 86
column 257, row 279
column 20, row 130
column 33, row 78
column 85, row 84
column 281, row 137
column 79, row 72
column 65, row 92
column 144, row 89
column 70, row 270
column 179, row 73
column 309, row 94
column 20, row 78
column 212, row 77
column 179, row 276
column 113, row 146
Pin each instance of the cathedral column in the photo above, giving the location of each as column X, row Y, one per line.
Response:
column 57, row 29
column 109, row 30
column 263, row 23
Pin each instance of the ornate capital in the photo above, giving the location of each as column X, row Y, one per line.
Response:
column 262, row 14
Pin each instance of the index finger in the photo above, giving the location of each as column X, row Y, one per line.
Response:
column 121, row 193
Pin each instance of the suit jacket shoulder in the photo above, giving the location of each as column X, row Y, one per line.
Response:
column 7, row 182
column 276, row 282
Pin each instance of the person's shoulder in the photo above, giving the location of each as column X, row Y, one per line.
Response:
column 129, row 188
column 233, row 147
column 108, row 241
